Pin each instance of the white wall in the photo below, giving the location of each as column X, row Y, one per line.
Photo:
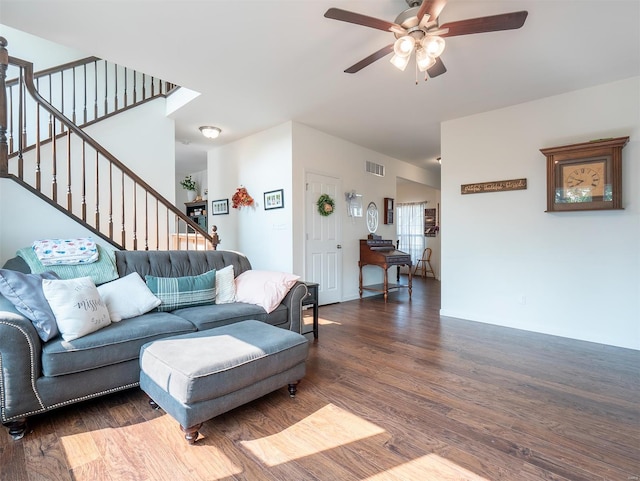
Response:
column 29, row 47
column 143, row 139
column 261, row 163
column 507, row 262
column 25, row 218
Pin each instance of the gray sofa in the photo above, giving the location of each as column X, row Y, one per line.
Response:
column 37, row 376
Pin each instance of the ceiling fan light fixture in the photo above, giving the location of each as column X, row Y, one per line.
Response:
column 210, row 132
column 404, row 46
column 418, row 27
column 400, row 62
column 424, row 60
column 433, row 45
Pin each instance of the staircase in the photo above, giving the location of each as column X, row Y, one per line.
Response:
column 44, row 148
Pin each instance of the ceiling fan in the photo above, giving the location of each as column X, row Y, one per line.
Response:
column 417, row 29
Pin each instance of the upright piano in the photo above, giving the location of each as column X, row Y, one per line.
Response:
column 382, row 253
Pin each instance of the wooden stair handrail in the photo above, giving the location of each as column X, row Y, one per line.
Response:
column 69, row 66
column 28, row 66
column 28, row 79
column 164, row 90
column 57, row 69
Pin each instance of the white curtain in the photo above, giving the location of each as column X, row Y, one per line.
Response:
column 410, row 229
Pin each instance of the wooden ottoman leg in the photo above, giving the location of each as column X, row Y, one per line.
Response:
column 191, row 433
column 293, row 388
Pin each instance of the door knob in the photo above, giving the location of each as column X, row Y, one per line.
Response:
column 339, row 246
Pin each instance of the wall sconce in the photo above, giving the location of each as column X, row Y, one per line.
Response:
column 210, row 132
column 354, row 203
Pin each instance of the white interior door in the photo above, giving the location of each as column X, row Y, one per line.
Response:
column 323, row 256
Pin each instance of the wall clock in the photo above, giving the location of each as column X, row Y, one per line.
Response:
column 372, row 217
column 586, row 176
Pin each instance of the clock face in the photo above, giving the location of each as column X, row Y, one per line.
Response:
column 372, row 217
column 587, row 177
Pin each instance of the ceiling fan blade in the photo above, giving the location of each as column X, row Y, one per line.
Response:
column 493, row 23
column 384, row 51
column 432, row 7
column 358, row 19
column 437, row 69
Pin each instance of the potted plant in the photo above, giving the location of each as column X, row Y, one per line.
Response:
column 190, row 186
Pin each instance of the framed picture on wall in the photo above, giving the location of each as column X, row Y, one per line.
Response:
column 274, row 199
column 430, row 222
column 219, row 207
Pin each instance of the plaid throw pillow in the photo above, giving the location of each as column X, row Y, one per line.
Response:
column 188, row 291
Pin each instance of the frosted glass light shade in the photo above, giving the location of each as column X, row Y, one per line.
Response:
column 210, row 132
column 400, row 62
column 433, row 45
column 424, row 60
column 404, row 46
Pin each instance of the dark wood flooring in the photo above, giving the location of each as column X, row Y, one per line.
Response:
column 393, row 392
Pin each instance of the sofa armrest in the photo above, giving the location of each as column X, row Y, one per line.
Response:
column 293, row 302
column 20, row 365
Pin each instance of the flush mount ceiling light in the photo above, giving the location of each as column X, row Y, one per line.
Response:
column 210, row 132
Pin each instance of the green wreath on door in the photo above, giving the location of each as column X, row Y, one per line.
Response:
column 326, row 205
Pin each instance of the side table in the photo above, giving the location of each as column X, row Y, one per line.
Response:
column 311, row 299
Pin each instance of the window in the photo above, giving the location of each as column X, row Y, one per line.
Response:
column 410, row 229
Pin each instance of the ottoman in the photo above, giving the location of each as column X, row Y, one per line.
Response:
column 197, row 376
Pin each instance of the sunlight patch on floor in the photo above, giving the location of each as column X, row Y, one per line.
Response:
column 429, row 467
column 308, row 322
column 79, row 449
column 325, row 322
column 207, row 456
column 327, row 428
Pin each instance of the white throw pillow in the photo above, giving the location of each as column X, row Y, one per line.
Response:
column 225, row 286
column 264, row 288
column 127, row 297
column 77, row 306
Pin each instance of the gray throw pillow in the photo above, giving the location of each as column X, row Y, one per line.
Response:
column 24, row 291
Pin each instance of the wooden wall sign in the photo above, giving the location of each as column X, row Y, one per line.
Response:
column 495, row 186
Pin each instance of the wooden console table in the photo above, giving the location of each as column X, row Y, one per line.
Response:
column 311, row 299
column 382, row 253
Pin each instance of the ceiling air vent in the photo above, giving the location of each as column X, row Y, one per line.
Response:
column 375, row 169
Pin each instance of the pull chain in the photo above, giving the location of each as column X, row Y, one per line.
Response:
column 426, row 76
